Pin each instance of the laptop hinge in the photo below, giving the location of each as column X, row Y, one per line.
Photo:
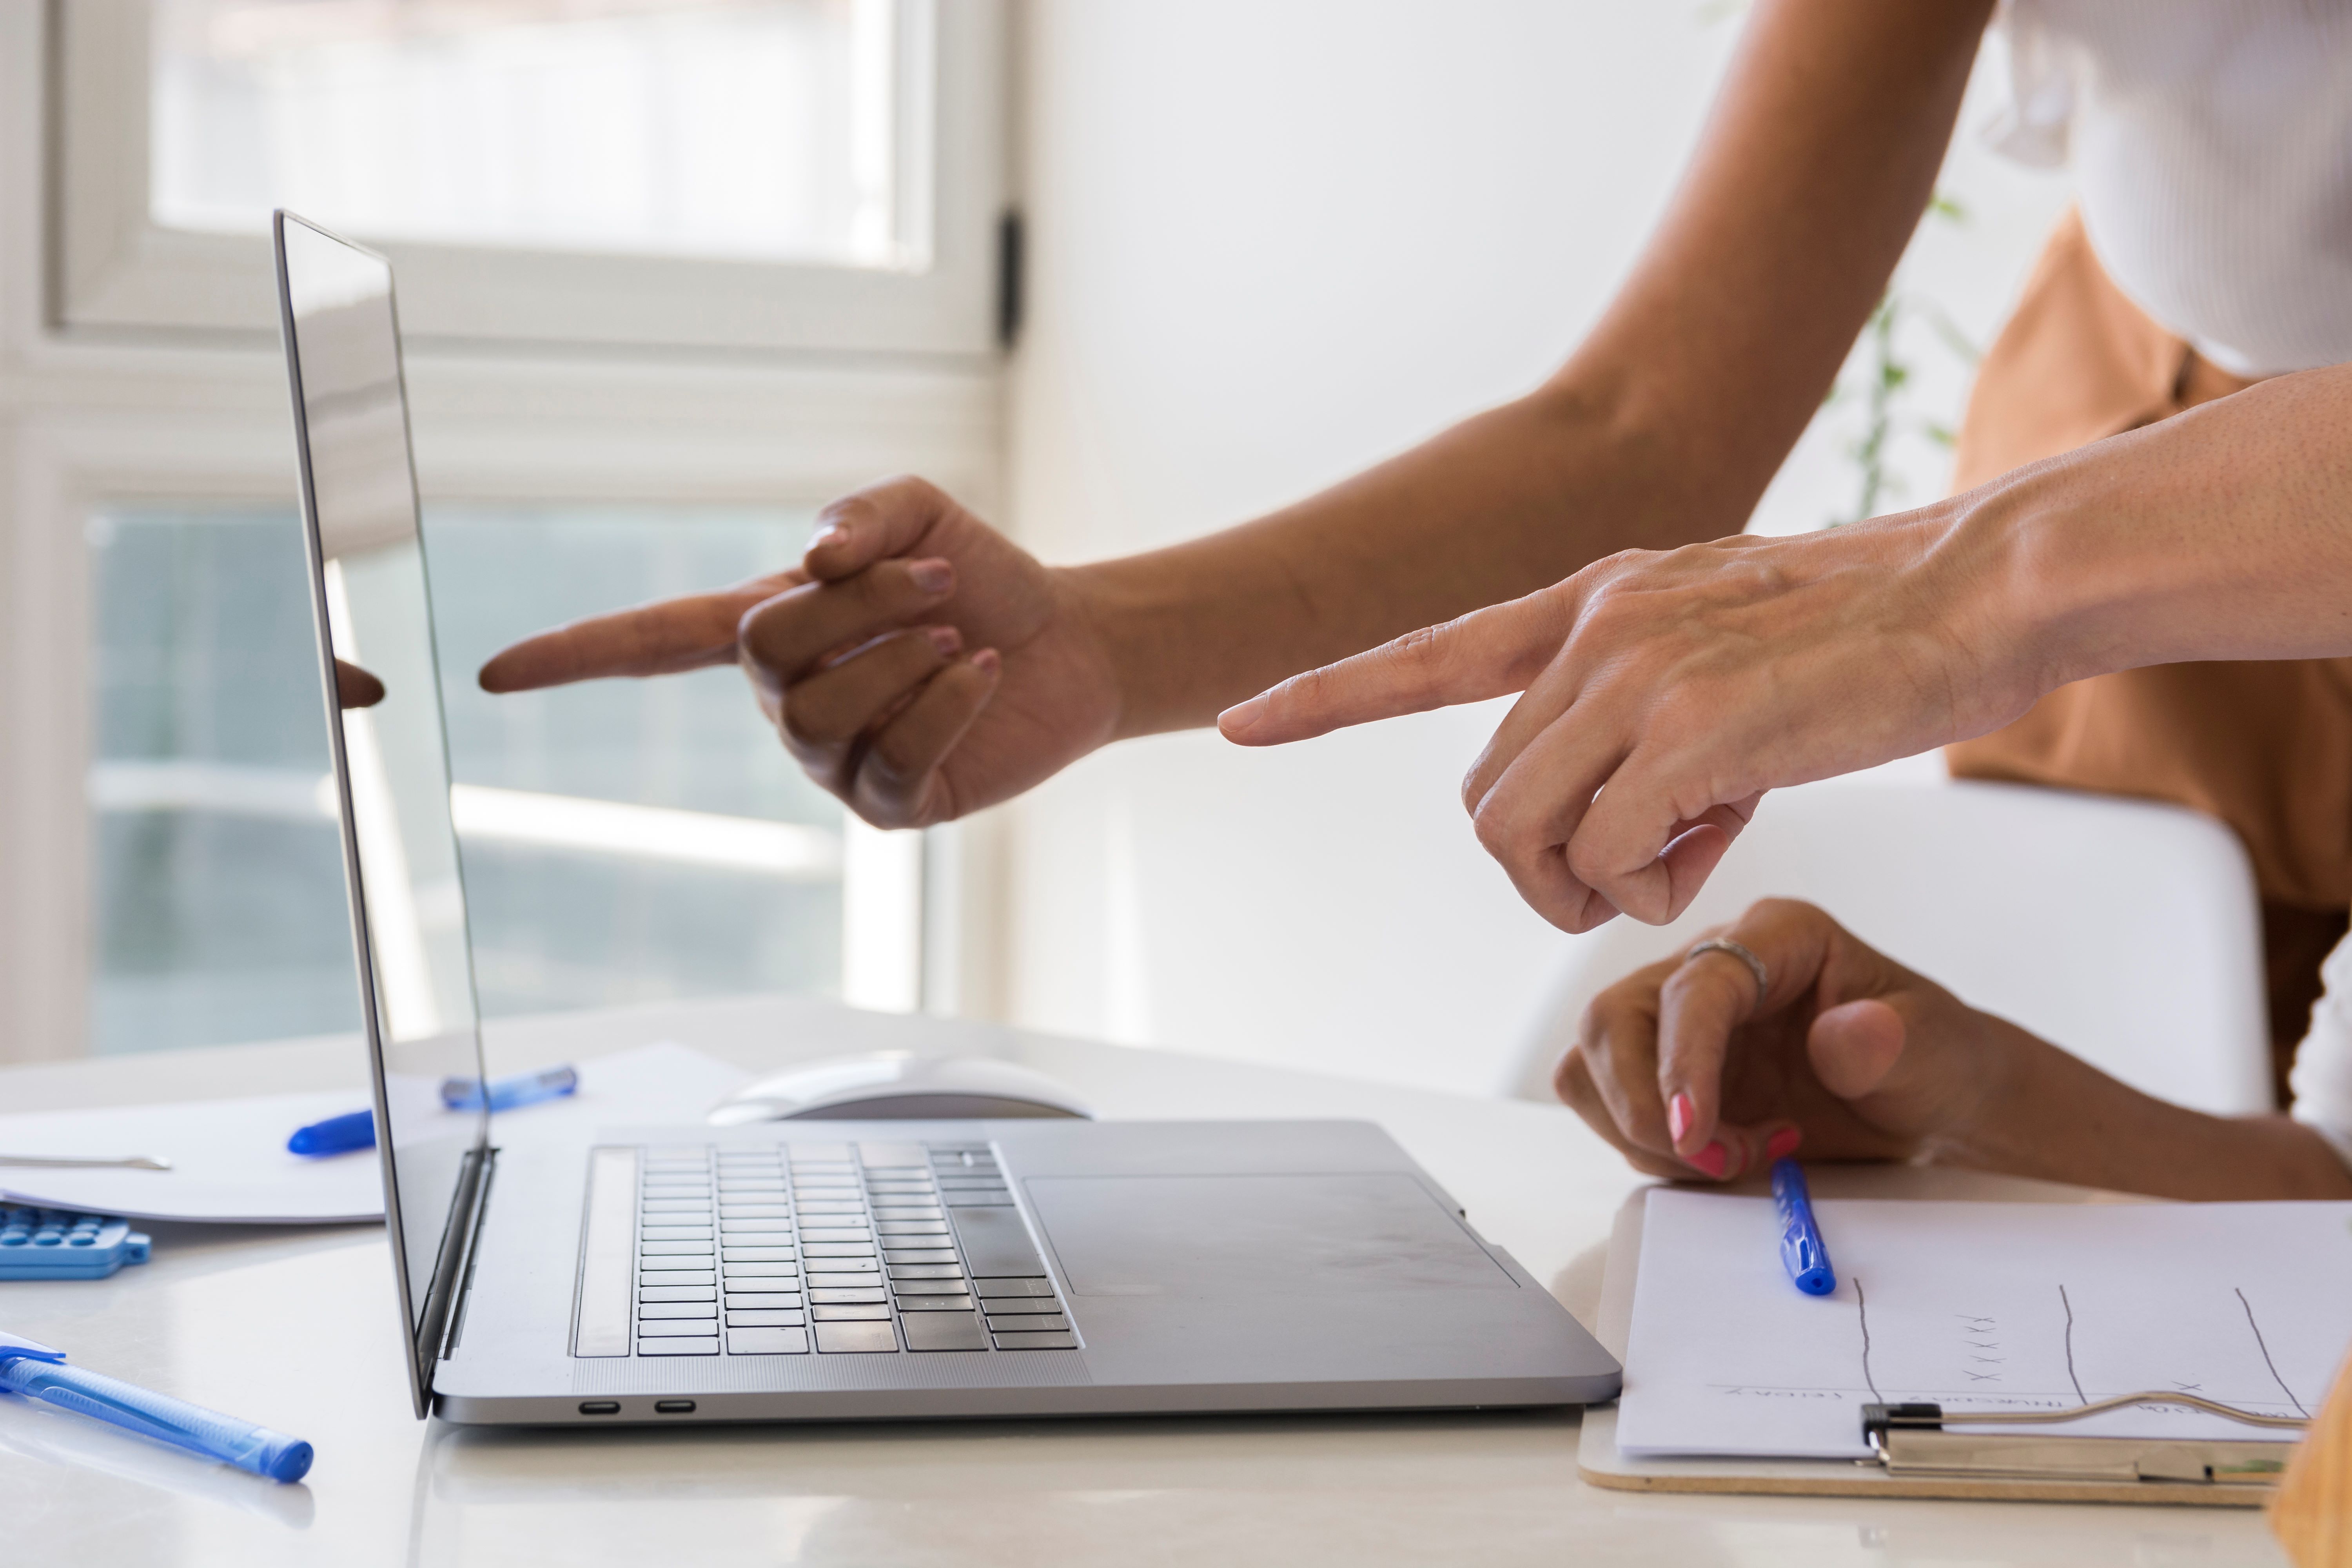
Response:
column 454, row 1269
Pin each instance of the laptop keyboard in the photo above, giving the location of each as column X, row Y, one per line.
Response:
column 836, row 1249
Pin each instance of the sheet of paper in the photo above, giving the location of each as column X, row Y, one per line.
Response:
column 229, row 1162
column 1977, row 1306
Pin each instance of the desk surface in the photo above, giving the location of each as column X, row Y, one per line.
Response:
column 296, row 1329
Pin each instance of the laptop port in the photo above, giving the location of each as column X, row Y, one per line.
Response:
column 600, row 1408
column 673, row 1407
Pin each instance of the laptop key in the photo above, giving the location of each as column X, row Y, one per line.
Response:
column 676, row 1327
column 996, row 1244
column 999, row 1287
column 839, row 1296
column 677, row 1276
column 849, row 1314
column 919, row 1254
column 674, row 1233
column 1036, row 1342
column 1018, row 1306
column 677, row 1293
column 926, row 1271
column 762, row 1299
column 836, row 1249
column 762, row 1270
column 945, row 1331
column 756, row 1254
column 766, row 1319
column 935, row 1303
column 707, row 1346
column 853, row 1339
column 703, row 1309
column 1032, row 1323
column 767, row 1341
column 674, row 1249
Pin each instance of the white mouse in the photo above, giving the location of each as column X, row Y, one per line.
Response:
column 889, row 1086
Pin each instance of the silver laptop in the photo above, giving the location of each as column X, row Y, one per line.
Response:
column 821, row 1271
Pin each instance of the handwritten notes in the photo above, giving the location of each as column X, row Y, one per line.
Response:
column 1977, row 1306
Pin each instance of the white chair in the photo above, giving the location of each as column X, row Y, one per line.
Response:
column 2126, row 933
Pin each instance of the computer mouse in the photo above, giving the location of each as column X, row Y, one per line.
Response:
column 887, row 1086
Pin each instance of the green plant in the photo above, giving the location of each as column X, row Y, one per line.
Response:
column 1885, row 380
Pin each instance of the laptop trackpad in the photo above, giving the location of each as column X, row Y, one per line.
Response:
column 1255, row 1235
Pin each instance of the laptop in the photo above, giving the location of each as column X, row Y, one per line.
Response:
column 819, row 1271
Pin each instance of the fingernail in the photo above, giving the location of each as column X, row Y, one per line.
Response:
column 1242, row 715
column 986, row 660
column 932, row 576
column 946, row 639
column 1678, row 1117
column 1783, row 1143
column 836, row 535
column 1714, row 1159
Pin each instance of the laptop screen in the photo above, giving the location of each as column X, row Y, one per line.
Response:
column 392, row 766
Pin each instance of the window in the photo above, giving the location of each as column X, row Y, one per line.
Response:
column 811, row 175
column 172, row 879
column 779, row 132
column 623, row 841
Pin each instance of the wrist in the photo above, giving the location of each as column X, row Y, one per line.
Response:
column 1160, row 626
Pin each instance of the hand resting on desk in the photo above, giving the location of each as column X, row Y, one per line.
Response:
column 1850, row 1056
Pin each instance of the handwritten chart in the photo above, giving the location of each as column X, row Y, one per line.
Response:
column 1980, row 1307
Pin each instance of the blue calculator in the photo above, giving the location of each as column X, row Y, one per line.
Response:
column 58, row 1243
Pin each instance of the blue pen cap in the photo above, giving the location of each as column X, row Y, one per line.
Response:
column 1802, row 1252
column 335, row 1135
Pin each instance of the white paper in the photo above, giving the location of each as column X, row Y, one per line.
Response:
column 1977, row 1306
column 229, row 1162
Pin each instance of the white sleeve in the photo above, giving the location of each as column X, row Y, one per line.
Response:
column 2322, row 1080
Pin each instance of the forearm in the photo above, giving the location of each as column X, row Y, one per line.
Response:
column 1503, row 504
column 2048, row 1115
column 2222, row 534
column 1663, row 428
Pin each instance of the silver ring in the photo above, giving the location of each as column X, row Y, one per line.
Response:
column 1754, row 964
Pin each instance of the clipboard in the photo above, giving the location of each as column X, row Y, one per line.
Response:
column 1599, row 1463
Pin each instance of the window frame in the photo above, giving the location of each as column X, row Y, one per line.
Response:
column 89, row 420
column 115, row 271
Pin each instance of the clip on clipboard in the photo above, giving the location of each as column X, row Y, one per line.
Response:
column 1917, row 1440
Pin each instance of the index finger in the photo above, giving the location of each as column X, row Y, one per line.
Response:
column 1483, row 653
column 692, row 631
column 1714, row 992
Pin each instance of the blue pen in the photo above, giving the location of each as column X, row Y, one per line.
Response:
column 356, row 1129
column 1802, row 1251
column 526, row 1089
column 36, row 1372
column 335, row 1135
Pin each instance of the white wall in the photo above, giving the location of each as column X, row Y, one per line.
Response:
column 1273, row 241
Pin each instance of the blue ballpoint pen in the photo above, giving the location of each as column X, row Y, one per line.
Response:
column 1802, row 1251
column 356, row 1129
column 36, row 1372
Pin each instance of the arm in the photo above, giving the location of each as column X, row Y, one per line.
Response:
column 1665, row 426
column 1689, row 682
column 1847, row 1056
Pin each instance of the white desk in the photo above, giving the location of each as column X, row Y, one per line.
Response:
column 297, row 1329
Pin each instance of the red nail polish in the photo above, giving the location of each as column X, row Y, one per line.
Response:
column 1784, row 1144
column 1678, row 1117
column 1714, row 1160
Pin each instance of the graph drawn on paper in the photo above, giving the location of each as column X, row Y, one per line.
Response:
column 1977, row 1306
